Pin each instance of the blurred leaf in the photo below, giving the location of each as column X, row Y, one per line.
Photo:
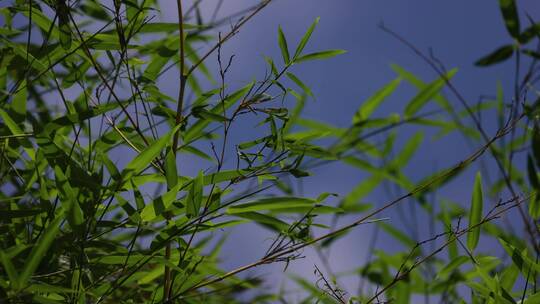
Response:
column 529, row 33
column 427, row 93
column 398, row 235
column 353, row 199
column 499, row 55
column 454, row 264
column 475, row 213
column 511, row 17
column 9, row 269
column 368, row 106
column 62, row 10
column 299, row 83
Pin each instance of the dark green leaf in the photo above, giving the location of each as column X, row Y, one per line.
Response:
column 511, row 17
column 40, row 249
column 499, row 55
column 195, row 196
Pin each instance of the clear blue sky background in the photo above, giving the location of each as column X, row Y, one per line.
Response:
column 458, row 32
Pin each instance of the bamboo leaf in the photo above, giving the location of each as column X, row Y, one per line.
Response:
column 145, row 158
column 40, row 249
column 299, row 83
column 63, row 24
column 195, row 196
column 320, row 55
column 511, row 18
column 69, row 199
column 272, row 204
column 305, row 39
column 427, row 93
column 475, row 213
column 398, row 235
column 9, row 269
column 170, row 169
column 499, row 55
column 283, row 46
column 368, row 106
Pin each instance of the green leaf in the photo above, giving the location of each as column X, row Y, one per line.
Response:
column 368, row 106
column 265, row 220
column 535, row 143
column 475, row 213
column 532, row 299
column 15, row 130
column 170, row 169
column 283, row 46
column 319, row 55
column 160, row 204
column 520, row 258
column 299, row 83
column 9, row 269
column 531, row 170
column 398, row 234
column 197, row 129
column 305, row 39
column 353, row 199
column 39, row 250
column 427, row 93
column 69, row 199
column 19, row 102
column 511, row 17
column 146, row 157
column 272, row 203
column 529, row 33
column 452, row 266
column 195, row 196
column 499, row 55
column 407, row 152
column 63, row 24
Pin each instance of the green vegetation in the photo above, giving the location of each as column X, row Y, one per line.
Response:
column 96, row 205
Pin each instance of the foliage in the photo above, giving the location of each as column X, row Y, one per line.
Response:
column 96, row 205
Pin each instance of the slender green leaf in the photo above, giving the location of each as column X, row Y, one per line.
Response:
column 299, row 83
column 40, row 250
column 511, row 17
column 319, row 55
column 305, row 39
column 145, row 158
column 195, row 196
column 499, row 55
column 427, row 93
column 368, row 106
column 283, row 46
column 475, row 213
column 69, row 199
